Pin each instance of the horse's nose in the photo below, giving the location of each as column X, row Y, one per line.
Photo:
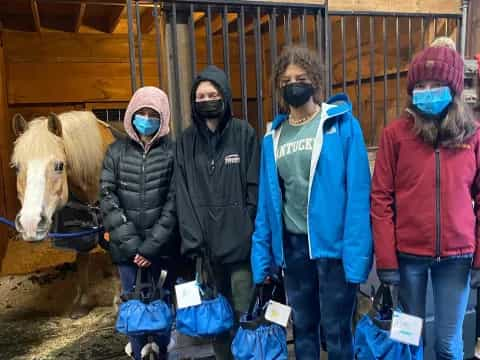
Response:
column 32, row 228
column 18, row 224
column 43, row 223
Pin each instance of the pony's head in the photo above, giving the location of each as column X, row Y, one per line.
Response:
column 40, row 160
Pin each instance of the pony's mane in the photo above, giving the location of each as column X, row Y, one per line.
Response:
column 81, row 143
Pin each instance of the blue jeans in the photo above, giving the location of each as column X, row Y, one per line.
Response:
column 320, row 297
column 450, row 282
column 128, row 274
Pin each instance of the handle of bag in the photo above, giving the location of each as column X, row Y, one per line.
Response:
column 155, row 288
column 257, row 301
column 382, row 301
column 383, row 297
column 257, row 296
column 205, row 275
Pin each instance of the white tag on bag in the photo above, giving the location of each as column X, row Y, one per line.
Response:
column 188, row 294
column 278, row 313
column 406, row 328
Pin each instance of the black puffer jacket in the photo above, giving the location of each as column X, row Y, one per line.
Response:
column 138, row 191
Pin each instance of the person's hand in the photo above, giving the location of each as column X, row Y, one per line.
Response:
column 475, row 279
column 140, row 261
column 389, row 277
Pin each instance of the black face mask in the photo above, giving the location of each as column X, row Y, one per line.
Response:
column 211, row 109
column 297, row 94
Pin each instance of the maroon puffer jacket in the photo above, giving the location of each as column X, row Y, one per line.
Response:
column 422, row 197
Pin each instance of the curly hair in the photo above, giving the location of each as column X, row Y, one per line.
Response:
column 307, row 60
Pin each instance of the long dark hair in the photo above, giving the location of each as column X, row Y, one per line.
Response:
column 458, row 125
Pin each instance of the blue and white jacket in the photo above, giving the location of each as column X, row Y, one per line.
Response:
column 338, row 214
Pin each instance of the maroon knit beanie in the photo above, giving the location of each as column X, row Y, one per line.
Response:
column 438, row 63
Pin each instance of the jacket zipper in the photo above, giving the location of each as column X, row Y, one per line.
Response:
column 142, row 192
column 437, row 205
column 275, row 138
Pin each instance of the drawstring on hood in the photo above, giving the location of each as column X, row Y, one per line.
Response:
column 155, row 99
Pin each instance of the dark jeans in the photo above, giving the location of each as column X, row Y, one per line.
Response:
column 450, row 282
column 128, row 274
column 234, row 281
column 320, row 296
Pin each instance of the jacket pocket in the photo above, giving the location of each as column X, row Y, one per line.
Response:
column 229, row 232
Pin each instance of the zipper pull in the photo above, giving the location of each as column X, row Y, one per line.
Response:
column 437, row 259
column 143, row 161
column 212, row 165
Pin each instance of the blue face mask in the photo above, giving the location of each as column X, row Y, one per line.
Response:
column 146, row 126
column 432, row 101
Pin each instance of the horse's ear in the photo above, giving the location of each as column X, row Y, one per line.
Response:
column 19, row 124
column 54, row 124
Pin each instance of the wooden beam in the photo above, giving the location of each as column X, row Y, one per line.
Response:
column 80, row 15
column 115, row 17
column 8, row 193
column 473, row 29
column 147, row 20
column 251, row 25
column 197, row 16
column 36, row 15
column 217, row 24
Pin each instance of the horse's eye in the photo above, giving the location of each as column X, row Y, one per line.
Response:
column 17, row 168
column 58, row 166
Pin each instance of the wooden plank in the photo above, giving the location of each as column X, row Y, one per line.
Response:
column 473, row 35
column 72, row 82
column 116, row 15
column 36, row 15
column 218, row 26
column 5, row 145
column 5, row 139
column 81, row 13
column 3, row 212
column 309, row 2
column 409, row 6
column 69, row 47
column 106, row 105
column 147, row 20
column 164, row 76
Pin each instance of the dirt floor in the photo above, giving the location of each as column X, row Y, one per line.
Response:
column 34, row 317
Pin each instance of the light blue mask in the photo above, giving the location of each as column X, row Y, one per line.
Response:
column 432, row 101
column 146, row 126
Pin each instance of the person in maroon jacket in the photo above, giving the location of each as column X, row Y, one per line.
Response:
column 426, row 177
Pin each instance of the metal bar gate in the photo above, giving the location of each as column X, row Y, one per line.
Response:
column 366, row 54
column 242, row 37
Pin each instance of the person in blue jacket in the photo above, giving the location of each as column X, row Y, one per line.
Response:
column 313, row 210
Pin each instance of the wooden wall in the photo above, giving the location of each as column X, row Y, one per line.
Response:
column 409, row 6
column 7, row 181
column 473, row 41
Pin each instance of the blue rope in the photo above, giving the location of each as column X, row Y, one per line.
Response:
column 7, row 222
column 76, row 234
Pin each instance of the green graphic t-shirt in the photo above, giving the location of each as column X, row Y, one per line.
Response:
column 294, row 153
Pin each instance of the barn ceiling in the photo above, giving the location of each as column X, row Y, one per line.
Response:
column 69, row 16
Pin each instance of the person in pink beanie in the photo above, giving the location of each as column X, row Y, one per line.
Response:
column 426, row 177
